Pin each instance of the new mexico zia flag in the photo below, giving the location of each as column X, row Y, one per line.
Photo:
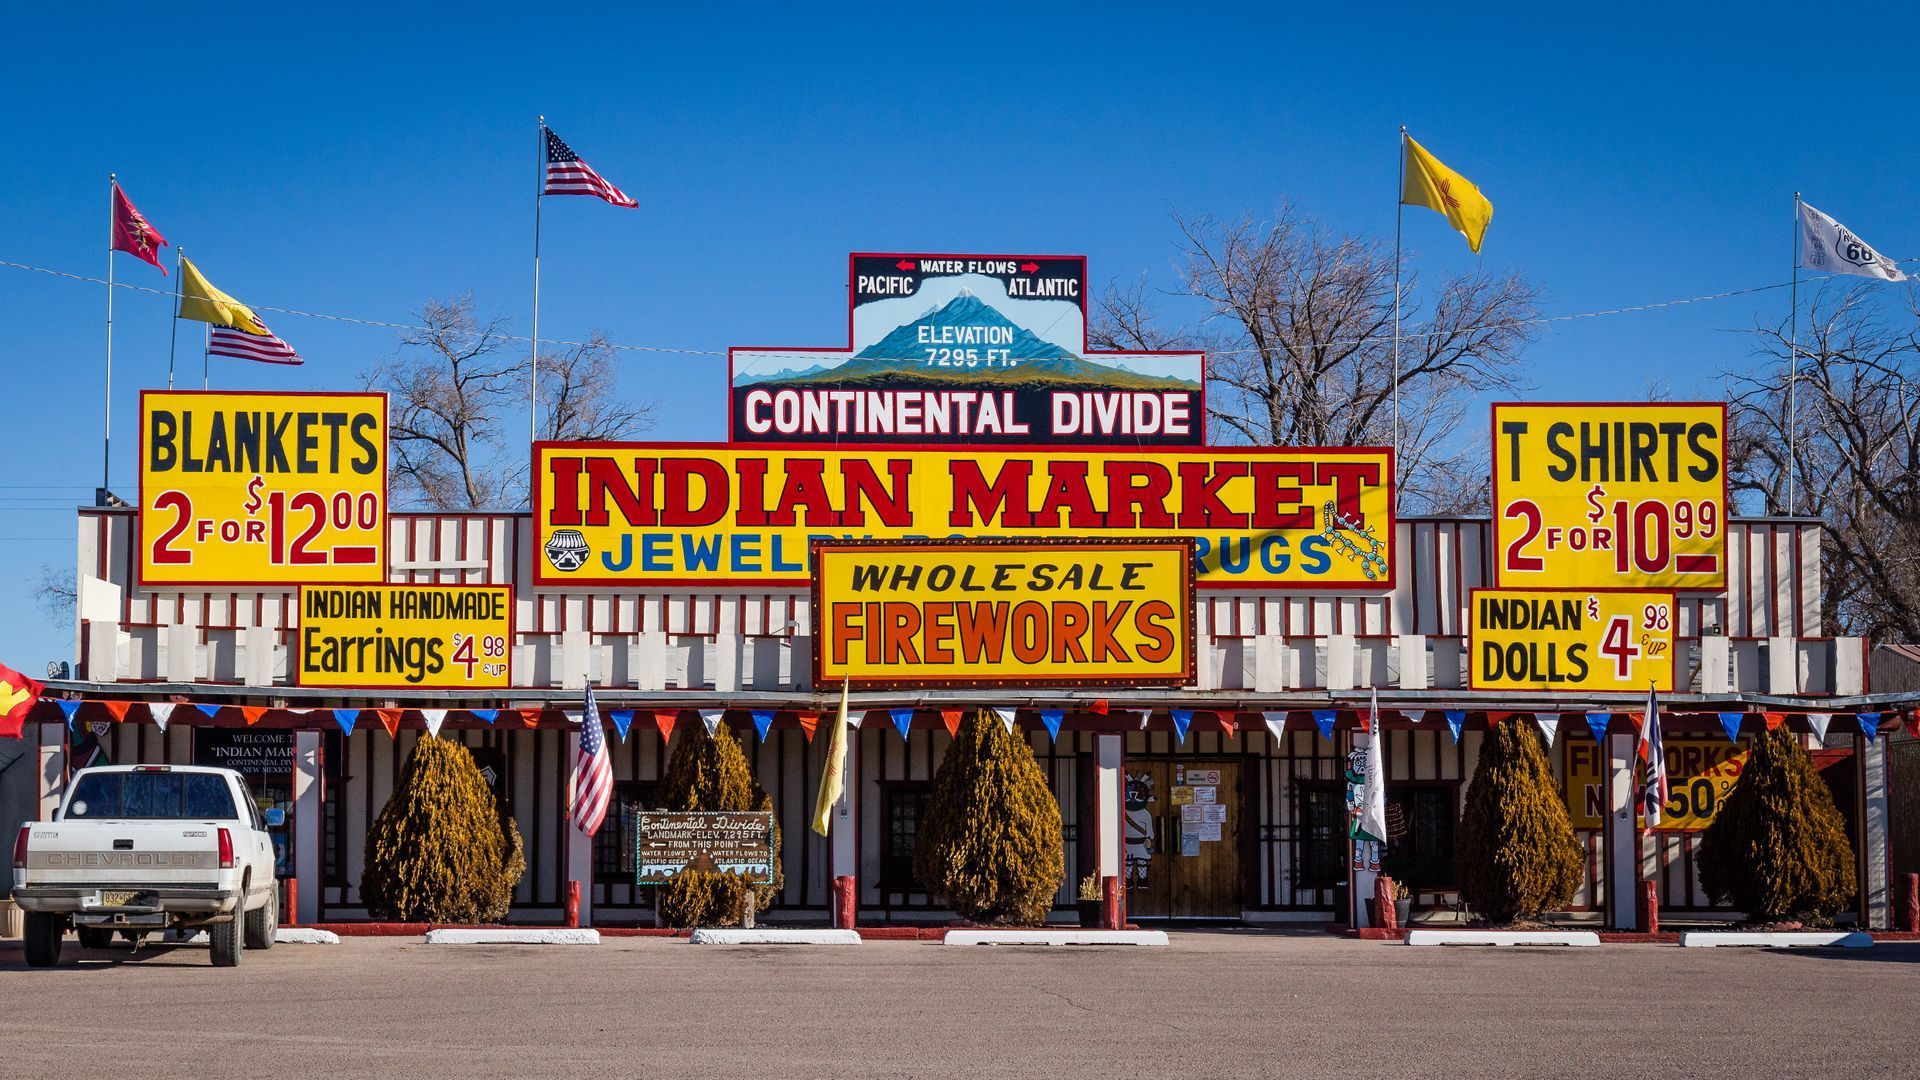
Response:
column 833, row 780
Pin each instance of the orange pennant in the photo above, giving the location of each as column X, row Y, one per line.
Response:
column 530, row 717
column 1228, row 723
column 1775, row 720
column 664, row 719
column 951, row 717
column 389, row 719
column 116, row 709
column 1100, row 706
column 808, row 722
column 252, row 713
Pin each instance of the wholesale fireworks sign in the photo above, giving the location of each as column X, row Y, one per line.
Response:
column 454, row 637
column 1571, row 639
column 1610, row 496
column 262, row 489
column 999, row 613
column 635, row 514
column 966, row 349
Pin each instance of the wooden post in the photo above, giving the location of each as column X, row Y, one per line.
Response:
column 1383, row 900
column 845, row 910
column 1650, row 907
column 291, row 917
column 747, row 910
column 573, row 904
column 1910, row 918
column 1113, row 915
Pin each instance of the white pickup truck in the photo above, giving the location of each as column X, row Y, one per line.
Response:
column 144, row 849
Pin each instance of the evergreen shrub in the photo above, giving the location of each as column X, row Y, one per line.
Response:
column 1515, row 853
column 990, row 844
column 704, row 898
column 443, row 849
column 1778, row 848
column 710, row 772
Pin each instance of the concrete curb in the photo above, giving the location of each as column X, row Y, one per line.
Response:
column 513, row 937
column 1577, row 938
column 1056, row 937
column 304, row 935
column 1709, row 939
column 775, row 937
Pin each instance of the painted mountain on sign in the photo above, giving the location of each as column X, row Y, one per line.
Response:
column 969, row 326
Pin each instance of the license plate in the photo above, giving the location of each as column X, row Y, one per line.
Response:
column 116, row 897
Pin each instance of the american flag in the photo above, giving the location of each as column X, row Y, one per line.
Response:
column 226, row 341
column 1653, row 764
column 592, row 773
column 568, row 175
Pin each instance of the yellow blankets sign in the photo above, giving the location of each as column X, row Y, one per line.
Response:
column 623, row 514
column 453, row 637
column 1571, row 639
column 250, row 490
column 1610, row 496
column 1003, row 613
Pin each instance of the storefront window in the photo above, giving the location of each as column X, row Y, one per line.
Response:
column 903, row 805
column 613, row 845
column 1420, row 822
column 1322, row 849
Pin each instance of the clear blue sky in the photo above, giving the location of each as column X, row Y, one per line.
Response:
column 357, row 162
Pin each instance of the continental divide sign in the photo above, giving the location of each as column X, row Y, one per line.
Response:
column 626, row 514
column 966, row 349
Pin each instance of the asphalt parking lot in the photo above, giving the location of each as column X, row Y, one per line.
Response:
column 1212, row 1004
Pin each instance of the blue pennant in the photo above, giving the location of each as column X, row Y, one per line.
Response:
column 1731, row 721
column 211, row 710
column 1597, row 723
column 902, row 719
column 1052, row 718
column 762, row 722
column 489, row 715
column 1181, row 718
column 622, row 720
column 1869, row 724
column 68, row 707
column 345, row 718
column 1456, row 719
column 1326, row 718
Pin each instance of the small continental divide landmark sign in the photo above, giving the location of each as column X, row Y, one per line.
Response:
column 727, row 841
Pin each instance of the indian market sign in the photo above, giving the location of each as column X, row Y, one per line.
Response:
column 634, row 514
column 737, row 842
column 262, row 489
column 1700, row 775
column 454, row 637
column 966, row 349
column 1610, row 496
column 1571, row 639
column 260, row 756
column 999, row 613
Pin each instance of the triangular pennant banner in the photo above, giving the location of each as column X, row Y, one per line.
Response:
column 1052, row 718
column 951, row 718
column 1006, row 718
column 1325, row 719
column 1414, row 716
column 1146, row 715
column 1775, row 720
column 1456, row 719
column 162, row 713
column 903, row 720
column 345, row 718
column 486, row 716
column 664, row 719
column 211, row 710
column 711, row 718
column 389, row 719
column 1913, row 724
column 762, row 723
column 433, row 718
column 1549, row 725
column 1597, row 723
column 855, row 719
column 1100, row 706
column 252, row 713
column 622, row 720
column 1181, row 719
column 1731, row 722
column 1818, row 721
column 117, row 709
column 530, row 717
column 69, row 707
column 1228, row 723
column 1869, row 724
column 1276, row 721
column 809, row 722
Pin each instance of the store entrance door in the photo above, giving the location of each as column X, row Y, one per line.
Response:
column 1183, row 817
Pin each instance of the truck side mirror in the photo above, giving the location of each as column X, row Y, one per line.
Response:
column 276, row 817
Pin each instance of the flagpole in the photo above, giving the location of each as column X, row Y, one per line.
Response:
column 1793, row 363
column 106, row 422
column 533, row 358
column 206, row 356
column 173, row 336
column 1399, row 211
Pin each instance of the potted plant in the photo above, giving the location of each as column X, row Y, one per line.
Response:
column 1402, row 904
column 1092, row 902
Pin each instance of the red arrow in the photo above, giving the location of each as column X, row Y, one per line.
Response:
column 1029, row 267
column 904, row 264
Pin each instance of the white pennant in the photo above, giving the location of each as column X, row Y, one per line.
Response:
column 162, row 712
column 434, row 718
column 1414, row 715
column 1818, row 721
column 1276, row 722
column 855, row 717
column 1006, row 717
column 1549, row 725
column 711, row 718
column 1145, row 716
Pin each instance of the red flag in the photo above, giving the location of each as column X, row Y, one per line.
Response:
column 389, row 719
column 664, row 719
column 1775, row 720
column 808, row 722
column 951, row 718
column 133, row 234
column 1100, row 706
column 17, row 695
column 1229, row 723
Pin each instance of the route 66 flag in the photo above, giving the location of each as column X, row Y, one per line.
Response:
column 1825, row 244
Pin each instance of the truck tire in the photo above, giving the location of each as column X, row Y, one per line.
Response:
column 226, row 941
column 44, row 931
column 264, row 921
column 94, row 937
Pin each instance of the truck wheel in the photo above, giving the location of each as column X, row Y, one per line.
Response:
column 44, row 929
column 264, row 921
column 94, row 937
column 225, row 938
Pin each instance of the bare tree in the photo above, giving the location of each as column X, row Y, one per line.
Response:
column 55, row 594
column 1298, row 326
column 1853, row 451
column 579, row 399
column 445, row 389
